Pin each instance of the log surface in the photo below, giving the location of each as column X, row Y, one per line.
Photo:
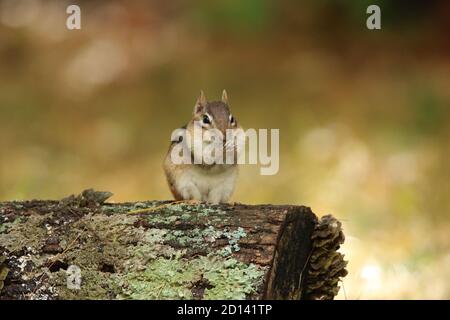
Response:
column 166, row 250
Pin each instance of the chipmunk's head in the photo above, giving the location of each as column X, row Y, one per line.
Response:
column 212, row 118
column 215, row 114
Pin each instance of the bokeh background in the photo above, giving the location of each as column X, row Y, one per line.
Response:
column 363, row 115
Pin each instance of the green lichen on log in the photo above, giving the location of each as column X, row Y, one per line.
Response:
column 122, row 257
column 207, row 277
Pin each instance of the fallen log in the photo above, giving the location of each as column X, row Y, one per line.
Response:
column 84, row 248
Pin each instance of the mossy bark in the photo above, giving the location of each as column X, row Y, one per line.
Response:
column 166, row 250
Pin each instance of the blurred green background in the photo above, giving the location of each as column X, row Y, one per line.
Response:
column 363, row 115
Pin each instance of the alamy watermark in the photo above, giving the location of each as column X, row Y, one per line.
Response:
column 373, row 22
column 73, row 21
column 73, row 273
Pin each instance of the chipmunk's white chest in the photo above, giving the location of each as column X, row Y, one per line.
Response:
column 209, row 184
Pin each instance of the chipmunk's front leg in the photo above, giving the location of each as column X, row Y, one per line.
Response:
column 189, row 191
column 186, row 187
column 220, row 194
column 222, row 191
column 215, row 196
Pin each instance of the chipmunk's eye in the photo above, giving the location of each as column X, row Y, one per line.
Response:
column 232, row 121
column 206, row 119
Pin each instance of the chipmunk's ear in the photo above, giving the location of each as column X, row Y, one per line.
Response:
column 201, row 103
column 224, row 96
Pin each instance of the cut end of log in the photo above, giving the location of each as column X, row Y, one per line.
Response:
column 166, row 250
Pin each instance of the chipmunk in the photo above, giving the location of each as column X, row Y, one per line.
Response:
column 213, row 181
